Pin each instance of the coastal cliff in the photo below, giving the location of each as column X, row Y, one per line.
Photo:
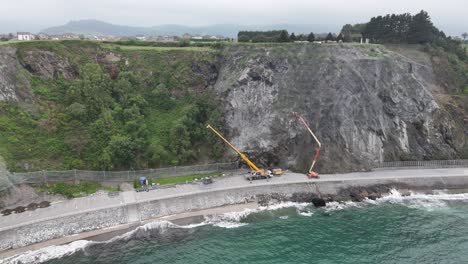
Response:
column 138, row 107
column 367, row 104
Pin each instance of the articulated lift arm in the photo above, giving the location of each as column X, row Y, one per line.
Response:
column 250, row 163
column 311, row 172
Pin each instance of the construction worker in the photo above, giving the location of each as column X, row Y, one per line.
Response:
column 144, row 183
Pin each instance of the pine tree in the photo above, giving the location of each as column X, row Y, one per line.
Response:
column 330, row 37
column 311, row 37
column 293, row 37
column 421, row 29
column 465, row 35
column 346, row 32
column 340, row 37
column 284, row 36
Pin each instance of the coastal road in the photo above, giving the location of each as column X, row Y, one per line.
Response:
column 101, row 200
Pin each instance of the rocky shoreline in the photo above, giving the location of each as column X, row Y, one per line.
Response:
column 353, row 194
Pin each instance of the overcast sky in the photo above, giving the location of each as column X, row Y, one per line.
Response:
column 34, row 15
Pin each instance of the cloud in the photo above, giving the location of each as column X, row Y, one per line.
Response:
column 205, row 12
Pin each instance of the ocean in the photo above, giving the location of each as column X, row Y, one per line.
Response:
column 418, row 228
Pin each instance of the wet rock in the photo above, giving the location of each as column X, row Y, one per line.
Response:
column 356, row 196
column 19, row 209
column 303, row 197
column 364, row 193
column 272, row 198
column 6, row 212
column 318, row 202
column 43, row 204
column 32, row 206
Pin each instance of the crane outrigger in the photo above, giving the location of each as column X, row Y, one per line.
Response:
column 256, row 172
column 311, row 173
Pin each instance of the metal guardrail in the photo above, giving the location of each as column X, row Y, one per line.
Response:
column 423, row 164
column 39, row 177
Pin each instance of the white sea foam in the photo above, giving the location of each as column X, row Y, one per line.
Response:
column 229, row 224
column 413, row 200
column 335, row 206
column 306, row 213
column 416, row 200
column 283, row 205
column 47, row 253
column 233, row 219
column 421, row 200
column 228, row 220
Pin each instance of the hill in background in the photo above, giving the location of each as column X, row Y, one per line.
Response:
column 96, row 27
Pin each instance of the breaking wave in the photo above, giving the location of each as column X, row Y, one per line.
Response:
column 225, row 220
column 414, row 200
column 47, row 253
column 55, row 252
column 233, row 219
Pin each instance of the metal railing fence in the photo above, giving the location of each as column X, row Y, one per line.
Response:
column 423, row 164
column 39, row 177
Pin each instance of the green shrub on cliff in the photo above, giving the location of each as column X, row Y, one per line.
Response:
column 147, row 110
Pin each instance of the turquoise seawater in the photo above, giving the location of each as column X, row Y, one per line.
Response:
column 395, row 229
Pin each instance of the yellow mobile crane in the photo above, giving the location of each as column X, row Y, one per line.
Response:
column 256, row 173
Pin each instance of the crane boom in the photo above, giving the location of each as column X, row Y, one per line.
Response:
column 250, row 163
column 316, row 139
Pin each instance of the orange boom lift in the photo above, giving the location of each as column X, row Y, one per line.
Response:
column 311, row 173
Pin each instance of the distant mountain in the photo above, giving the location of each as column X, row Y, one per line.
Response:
column 96, row 27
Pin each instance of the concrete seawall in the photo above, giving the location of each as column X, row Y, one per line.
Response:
column 132, row 208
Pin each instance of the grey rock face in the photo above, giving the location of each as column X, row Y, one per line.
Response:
column 367, row 105
column 47, row 65
column 8, row 73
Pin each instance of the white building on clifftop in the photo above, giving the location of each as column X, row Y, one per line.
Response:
column 25, row 36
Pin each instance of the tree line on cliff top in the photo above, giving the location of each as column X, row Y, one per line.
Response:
column 392, row 28
column 405, row 29
column 402, row 28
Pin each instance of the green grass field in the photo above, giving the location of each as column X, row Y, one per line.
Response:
column 180, row 179
column 9, row 42
column 136, row 48
column 75, row 190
